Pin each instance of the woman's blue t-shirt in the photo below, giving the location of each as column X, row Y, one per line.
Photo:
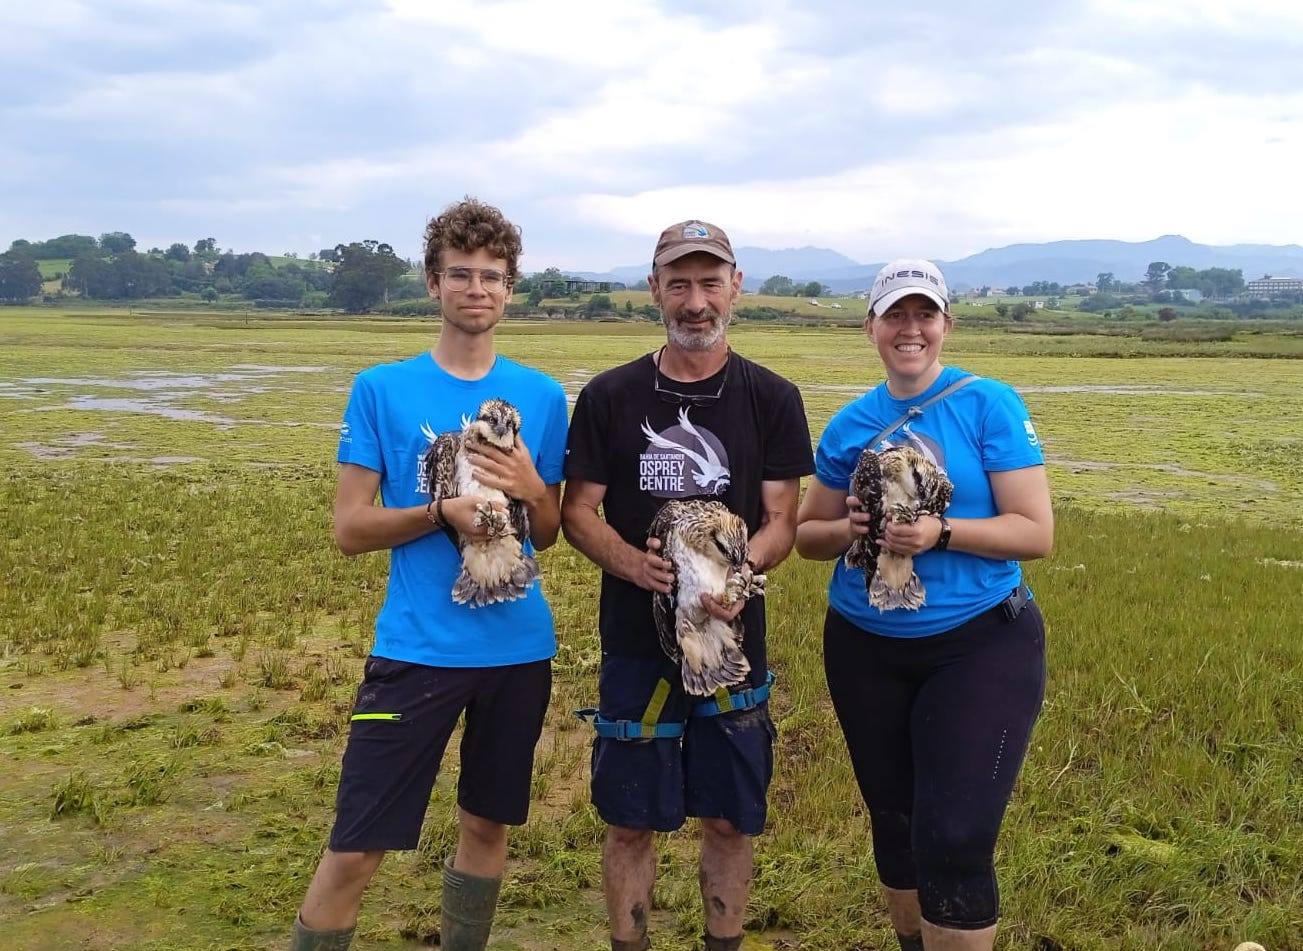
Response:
column 981, row 428
column 391, row 409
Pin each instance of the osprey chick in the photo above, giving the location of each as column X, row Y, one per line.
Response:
column 900, row 483
column 706, row 546
column 496, row 568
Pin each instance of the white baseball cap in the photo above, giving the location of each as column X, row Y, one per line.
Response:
column 906, row 276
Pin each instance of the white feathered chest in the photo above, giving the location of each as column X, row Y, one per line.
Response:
column 900, row 484
column 495, row 568
column 706, row 546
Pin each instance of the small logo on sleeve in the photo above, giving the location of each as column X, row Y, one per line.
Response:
column 1032, row 438
column 344, row 435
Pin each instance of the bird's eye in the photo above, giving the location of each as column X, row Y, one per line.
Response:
column 723, row 549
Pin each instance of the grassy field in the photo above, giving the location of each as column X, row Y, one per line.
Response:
column 846, row 307
column 53, row 266
column 179, row 644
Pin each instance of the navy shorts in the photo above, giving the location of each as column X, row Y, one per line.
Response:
column 402, row 720
column 719, row 769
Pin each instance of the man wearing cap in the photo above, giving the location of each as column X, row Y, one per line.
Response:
column 692, row 420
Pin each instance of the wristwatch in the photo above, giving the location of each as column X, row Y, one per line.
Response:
column 943, row 539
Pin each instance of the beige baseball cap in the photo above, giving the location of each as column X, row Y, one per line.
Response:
column 686, row 237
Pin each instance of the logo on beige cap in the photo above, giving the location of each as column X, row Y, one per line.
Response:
column 695, row 229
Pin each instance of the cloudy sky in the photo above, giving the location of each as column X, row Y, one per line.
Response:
column 878, row 130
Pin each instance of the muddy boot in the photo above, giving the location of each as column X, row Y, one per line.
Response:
column 722, row 944
column 469, row 902
column 305, row 939
column 637, row 944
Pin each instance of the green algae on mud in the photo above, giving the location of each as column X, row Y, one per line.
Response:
column 191, row 623
column 1173, row 717
column 1211, row 435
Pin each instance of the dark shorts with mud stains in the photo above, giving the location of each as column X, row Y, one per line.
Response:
column 719, row 769
column 402, row 720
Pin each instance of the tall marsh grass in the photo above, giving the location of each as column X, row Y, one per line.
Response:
column 1159, row 806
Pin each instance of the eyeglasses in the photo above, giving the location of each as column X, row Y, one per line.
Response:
column 459, row 278
column 687, row 399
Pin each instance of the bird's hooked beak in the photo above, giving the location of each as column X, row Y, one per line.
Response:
column 737, row 557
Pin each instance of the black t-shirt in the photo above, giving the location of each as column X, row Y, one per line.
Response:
column 648, row 447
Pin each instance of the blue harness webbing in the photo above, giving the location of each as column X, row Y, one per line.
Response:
column 725, row 702
column 648, row 728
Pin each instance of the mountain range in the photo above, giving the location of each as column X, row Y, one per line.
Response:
column 1064, row 262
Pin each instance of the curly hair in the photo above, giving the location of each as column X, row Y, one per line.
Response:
column 469, row 225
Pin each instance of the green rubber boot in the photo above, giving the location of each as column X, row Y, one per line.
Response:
column 305, row 939
column 469, row 902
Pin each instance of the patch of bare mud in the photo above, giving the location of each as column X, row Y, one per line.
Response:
column 1145, row 498
column 162, row 406
column 158, row 392
column 1171, row 468
column 1110, row 389
column 159, row 460
column 1280, row 563
column 1100, row 389
column 64, row 446
column 91, row 692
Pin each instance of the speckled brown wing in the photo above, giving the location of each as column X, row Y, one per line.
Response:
column 519, row 517
column 663, row 605
column 934, row 490
column 866, row 485
column 439, row 467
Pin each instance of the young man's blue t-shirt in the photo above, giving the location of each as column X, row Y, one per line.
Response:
column 981, row 428
column 390, row 411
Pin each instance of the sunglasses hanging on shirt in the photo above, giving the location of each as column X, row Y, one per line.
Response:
column 687, row 399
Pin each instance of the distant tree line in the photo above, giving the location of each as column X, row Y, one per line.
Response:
column 356, row 276
column 20, row 277
column 1216, row 282
column 781, row 286
column 1163, row 284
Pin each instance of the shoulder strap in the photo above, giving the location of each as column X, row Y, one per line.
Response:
column 917, row 411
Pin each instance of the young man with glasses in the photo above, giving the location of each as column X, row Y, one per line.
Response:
column 692, row 420
column 433, row 658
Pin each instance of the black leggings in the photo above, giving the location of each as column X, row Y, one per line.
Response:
column 937, row 728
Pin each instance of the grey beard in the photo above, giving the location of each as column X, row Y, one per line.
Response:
column 697, row 341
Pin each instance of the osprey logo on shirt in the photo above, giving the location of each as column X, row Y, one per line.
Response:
column 430, row 436
column 928, row 447
column 682, row 461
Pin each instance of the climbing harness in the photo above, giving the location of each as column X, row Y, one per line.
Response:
column 648, row 728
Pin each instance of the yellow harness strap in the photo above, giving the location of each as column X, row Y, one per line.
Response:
column 724, row 699
column 651, row 716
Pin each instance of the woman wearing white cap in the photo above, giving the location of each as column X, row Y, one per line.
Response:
column 936, row 703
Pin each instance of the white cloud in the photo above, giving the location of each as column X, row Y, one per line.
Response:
column 596, row 123
column 1127, row 171
column 1254, row 17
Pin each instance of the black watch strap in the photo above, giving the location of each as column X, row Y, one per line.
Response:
column 943, row 540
